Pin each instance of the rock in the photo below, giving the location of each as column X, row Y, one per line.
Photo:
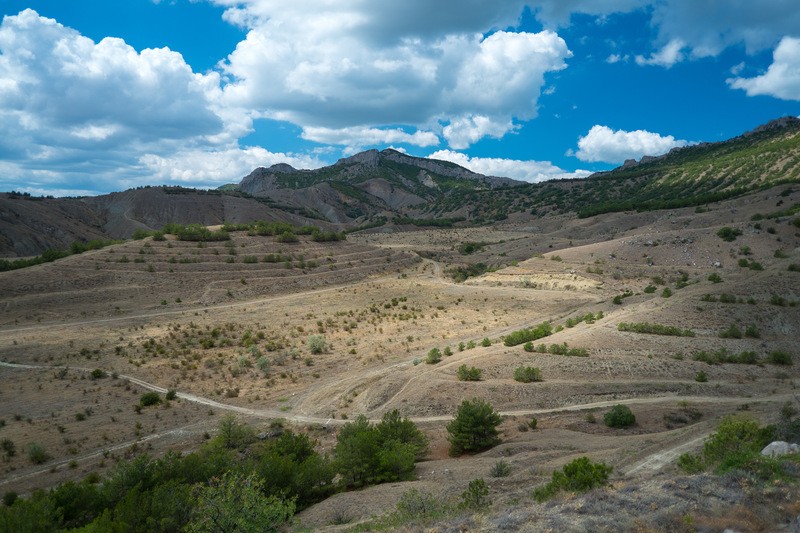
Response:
column 779, row 448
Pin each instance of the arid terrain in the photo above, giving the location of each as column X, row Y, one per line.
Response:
column 195, row 318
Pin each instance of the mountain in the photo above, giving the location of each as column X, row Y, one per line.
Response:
column 367, row 184
column 691, row 176
column 30, row 225
column 373, row 187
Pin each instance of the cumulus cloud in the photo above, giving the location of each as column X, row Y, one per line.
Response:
column 707, row 28
column 71, row 108
column 602, row 144
column 210, row 168
column 782, row 78
column 670, row 54
column 359, row 136
column 530, row 171
column 325, row 65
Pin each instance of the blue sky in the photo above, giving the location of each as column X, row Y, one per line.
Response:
column 99, row 96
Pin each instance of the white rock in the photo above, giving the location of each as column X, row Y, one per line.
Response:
column 779, row 448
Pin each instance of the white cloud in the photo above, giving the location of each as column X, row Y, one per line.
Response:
column 530, row 171
column 782, row 78
column 74, row 113
column 707, row 28
column 464, row 131
column 351, row 67
column 617, row 58
column 357, row 137
column 602, row 144
column 211, row 168
column 670, row 54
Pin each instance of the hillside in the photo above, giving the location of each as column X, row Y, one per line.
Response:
column 368, row 183
column 372, row 188
column 230, row 328
column 689, row 176
column 31, row 225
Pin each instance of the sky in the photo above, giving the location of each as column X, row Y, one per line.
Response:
column 103, row 95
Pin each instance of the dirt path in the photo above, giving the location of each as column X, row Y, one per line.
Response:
column 652, row 462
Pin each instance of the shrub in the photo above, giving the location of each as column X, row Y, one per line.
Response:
column 8, row 447
column 171, row 395
column 779, row 357
column 37, row 454
column 434, row 356
column 666, row 293
column 149, row 398
column 529, row 334
column 486, row 342
column 731, row 333
column 9, row 498
column 650, row 289
column 466, row 373
column 654, row 329
column 691, row 464
column 474, row 427
column 418, row 504
column 500, row 469
column 579, row 475
column 620, row 416
column 97, row 374
column 714, row 278
column 752, row 332
column 316, row 344
column 287, row 237
column 527, row 374
column 476, row 496
column 617, row 300
column 728, row 234
column 701, row 377
column 794, row 267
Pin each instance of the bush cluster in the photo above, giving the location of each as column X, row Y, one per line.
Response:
column 530, row 334
column 655, row 329
column 579, row 475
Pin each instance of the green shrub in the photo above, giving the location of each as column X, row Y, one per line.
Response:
column 466, row 373
column 9, row 498
column 476, row 496
column 620, row 416
column 529, row 334
column 486, row 342
column 752, row 332
column 434, row 356
column 149, row 398
column 779, row 357
column 316, row 344
column 527, row 374
column 97, row 373
column 690, row 463
column 650, row 289
column 171, row 395
column 732, row 332
column 701, row 377
column 579, row 475
column 666, row 293
column 474, row 427
column 714, row 278
column 654, row 329
column 728, row 234
column 415, row 504
column 500, row 469
column 37, row 454
column 794, row 267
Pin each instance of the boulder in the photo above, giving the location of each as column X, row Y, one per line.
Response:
column 780, row 448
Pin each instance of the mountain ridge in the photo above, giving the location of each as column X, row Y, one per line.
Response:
column 374, row 187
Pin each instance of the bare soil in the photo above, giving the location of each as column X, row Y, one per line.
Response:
column 175, row 315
